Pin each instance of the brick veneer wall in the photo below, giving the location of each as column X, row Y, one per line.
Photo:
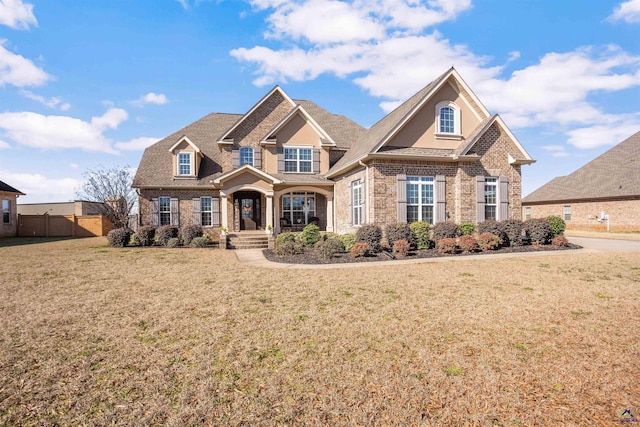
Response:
column 11, row 229
column 342, row 191
column 624, row 215
column 185, row 202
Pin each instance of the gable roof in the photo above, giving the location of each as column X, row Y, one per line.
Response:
column 343, row 130
column 188, row 141
column 390, row 125
column 9, row 189
column 613, row 174
column 299, row 110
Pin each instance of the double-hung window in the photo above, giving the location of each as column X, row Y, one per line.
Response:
column 6, row 212
column 206, row 212
column 164, row 210
column 185, row 163
column 298, row 159
column 246, row 156
column 491, row 198
column 566, row 213
column 447, row 121
column 527, row 212
column 358, row 201
column 420, row 198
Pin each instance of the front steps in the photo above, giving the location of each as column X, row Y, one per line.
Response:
column 248, row 240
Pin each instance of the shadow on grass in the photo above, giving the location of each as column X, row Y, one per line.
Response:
column 21, row 241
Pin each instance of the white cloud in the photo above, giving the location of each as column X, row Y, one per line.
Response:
column 4, row 145
column 54, row 102
column 151, row 98
column 136, row 144
column 628, row 11
column 555, row 150
column 74, row 165
column 40, row 188
column 61, row 132
column 18, row 71
column 611, row 132
column 17, row 15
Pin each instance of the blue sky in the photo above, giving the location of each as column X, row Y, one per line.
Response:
column 85, row 84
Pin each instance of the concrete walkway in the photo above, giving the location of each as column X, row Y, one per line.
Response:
column 255, row 257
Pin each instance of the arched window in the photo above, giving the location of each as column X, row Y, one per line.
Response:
column 246, row 156
column 448, row 120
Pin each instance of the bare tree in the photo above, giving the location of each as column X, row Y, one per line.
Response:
column 112, row 187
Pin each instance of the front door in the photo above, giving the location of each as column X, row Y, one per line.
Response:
column 249, row 210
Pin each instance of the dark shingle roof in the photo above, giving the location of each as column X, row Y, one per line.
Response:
column 9, row 189
column 613, row 174
column 343, row 130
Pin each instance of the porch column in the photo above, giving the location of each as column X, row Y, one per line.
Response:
column 223, row 210
column 330, row 213
column 276, row 214
column 269, row 211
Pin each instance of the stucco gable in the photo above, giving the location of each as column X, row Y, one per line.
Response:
column 324, row 139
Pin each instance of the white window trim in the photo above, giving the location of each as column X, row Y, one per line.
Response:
column 566, row 211
column 357, row 185
column 420, row 182
column 160, row 211
column 495, row 182
column 253, row 157
column 457, row 134
column 210, row 211
column 307, row 195
column 284, row 158
column 191, row 163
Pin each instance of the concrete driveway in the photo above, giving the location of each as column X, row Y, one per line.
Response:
column 591, row 244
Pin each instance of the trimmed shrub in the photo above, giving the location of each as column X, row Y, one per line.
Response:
column 119, row 237
column 145, row 234
column 421, row 231
column 164, row 233
column 173, row 242
column 560, row 241
column 494, row 227
column 401, row 248
column 370, row 234
column 360, row 249
column 134, row 240
column 329, row 247
column 190, row 232
column 539, row 231
column 468, row 243
column 488, row 242
column 445, row 230
column 199, row 242
column 289, row 248
column 400, row 231
column 285, row 237
column 310, row 235
column 513, row 228
column 448, row 245
column 467, row 228
column 557, row 225
column 347, row 241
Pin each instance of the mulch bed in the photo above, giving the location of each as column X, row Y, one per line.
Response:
column 310, row 256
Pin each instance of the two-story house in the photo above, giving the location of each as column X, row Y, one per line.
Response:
column 439, row 156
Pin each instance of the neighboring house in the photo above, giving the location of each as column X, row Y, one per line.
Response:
column 438, row 156
column 8, row 222
column 77, row 207
column 605, row 193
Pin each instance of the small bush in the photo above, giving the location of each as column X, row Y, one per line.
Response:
column 347, row 241
column 134, row 240
column 468, row 243
column 488, row 242
column 557, row 225
column 310, row 235
column 289, row 248
column 370, row 234
column 164, row 233
column 190, row 232
column 539, row 231
column 285, row 237
column 401, row 248
column 199, row 242
column 173, row 242
column 448, row 245
column 145, row 234
column 445, row 230
column 421, row 231
column 467, row 228
column 514, row 229
column 119, row 237
column 400, row 231
column 494, row 227
column 328, row 248
column 560, row 241
column 360, row 249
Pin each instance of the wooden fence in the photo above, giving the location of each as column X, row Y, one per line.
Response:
column 63, row 225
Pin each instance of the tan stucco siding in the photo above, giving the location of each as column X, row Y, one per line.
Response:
column 420, row 131
column 248, row 180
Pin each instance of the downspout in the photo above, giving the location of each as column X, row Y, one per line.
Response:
column 366, row 188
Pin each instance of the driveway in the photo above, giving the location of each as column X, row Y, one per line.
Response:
column 591, row 244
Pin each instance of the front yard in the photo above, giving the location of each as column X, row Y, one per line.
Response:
column 96, row 335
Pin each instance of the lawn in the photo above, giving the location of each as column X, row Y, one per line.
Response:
column 91, row 335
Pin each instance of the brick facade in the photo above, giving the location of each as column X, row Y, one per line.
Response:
column 10, row 229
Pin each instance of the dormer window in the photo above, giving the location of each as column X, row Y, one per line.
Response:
column 185, row 163
column 246, row 156
column 448, row 121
